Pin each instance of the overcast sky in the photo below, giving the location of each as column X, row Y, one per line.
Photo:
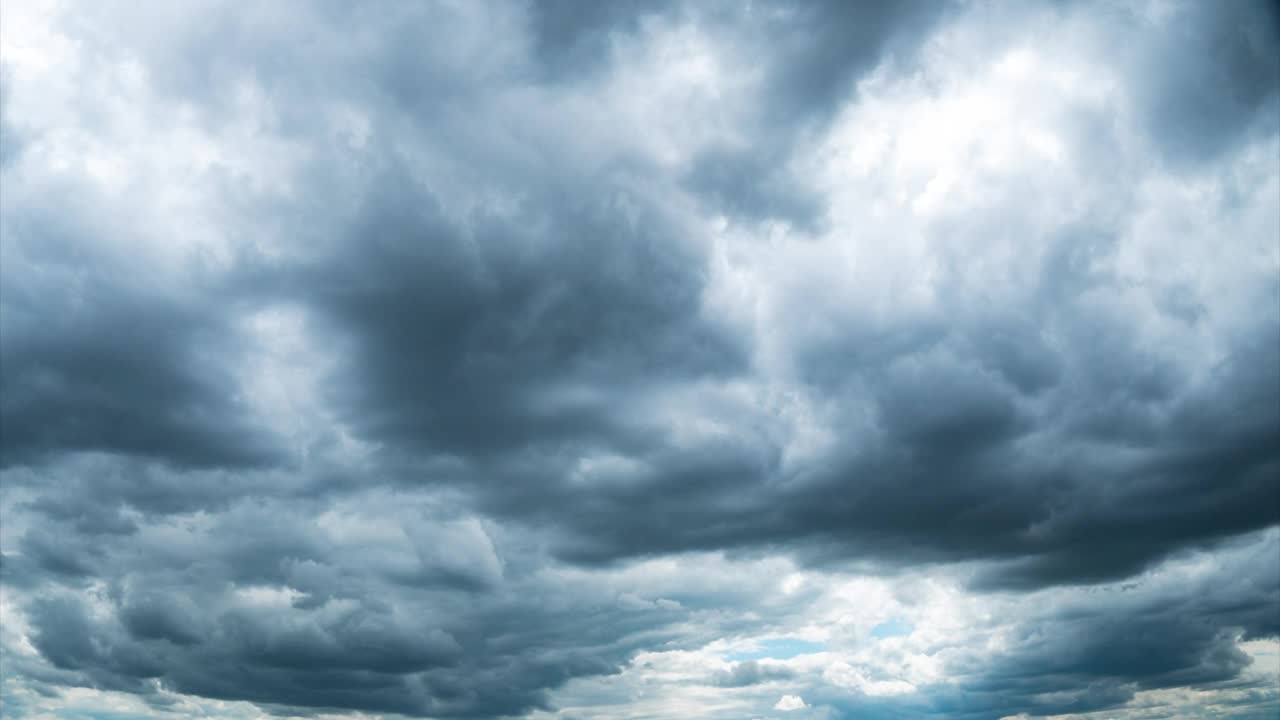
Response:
column 718, row 359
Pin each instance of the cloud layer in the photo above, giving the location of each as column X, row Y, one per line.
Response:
column 464, row 360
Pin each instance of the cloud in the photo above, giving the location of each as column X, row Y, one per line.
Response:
column 750, row 672
column 789, row 703
column 477, row 360
column 818, row 53
column 571, row 38
column 336, row 610
column 1198, row 110
column 92, row 363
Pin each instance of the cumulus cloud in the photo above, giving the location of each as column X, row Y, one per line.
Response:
column 557, row 359
column 788, row 703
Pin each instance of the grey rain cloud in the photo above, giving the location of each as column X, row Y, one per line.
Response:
column 471, row 360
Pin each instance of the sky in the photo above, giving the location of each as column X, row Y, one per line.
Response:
column 639, row 360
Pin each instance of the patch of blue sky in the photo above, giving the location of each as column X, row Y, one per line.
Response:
column 783, row 648
column 894, row 627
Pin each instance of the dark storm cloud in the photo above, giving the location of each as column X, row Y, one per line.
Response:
column 574, row 37
column 199, row 616
column 93, row 359
column 817, row 53
column 821, row 49
column 1056, row 445
column 1210, row 78
column 513, row 330
column 968, row 463
column 517, row 319
column 455, row 324
column 747, row 184
column 960, row 477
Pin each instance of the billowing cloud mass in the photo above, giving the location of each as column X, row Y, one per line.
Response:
column 648, row 359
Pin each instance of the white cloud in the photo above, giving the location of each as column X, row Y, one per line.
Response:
column 790, row 702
